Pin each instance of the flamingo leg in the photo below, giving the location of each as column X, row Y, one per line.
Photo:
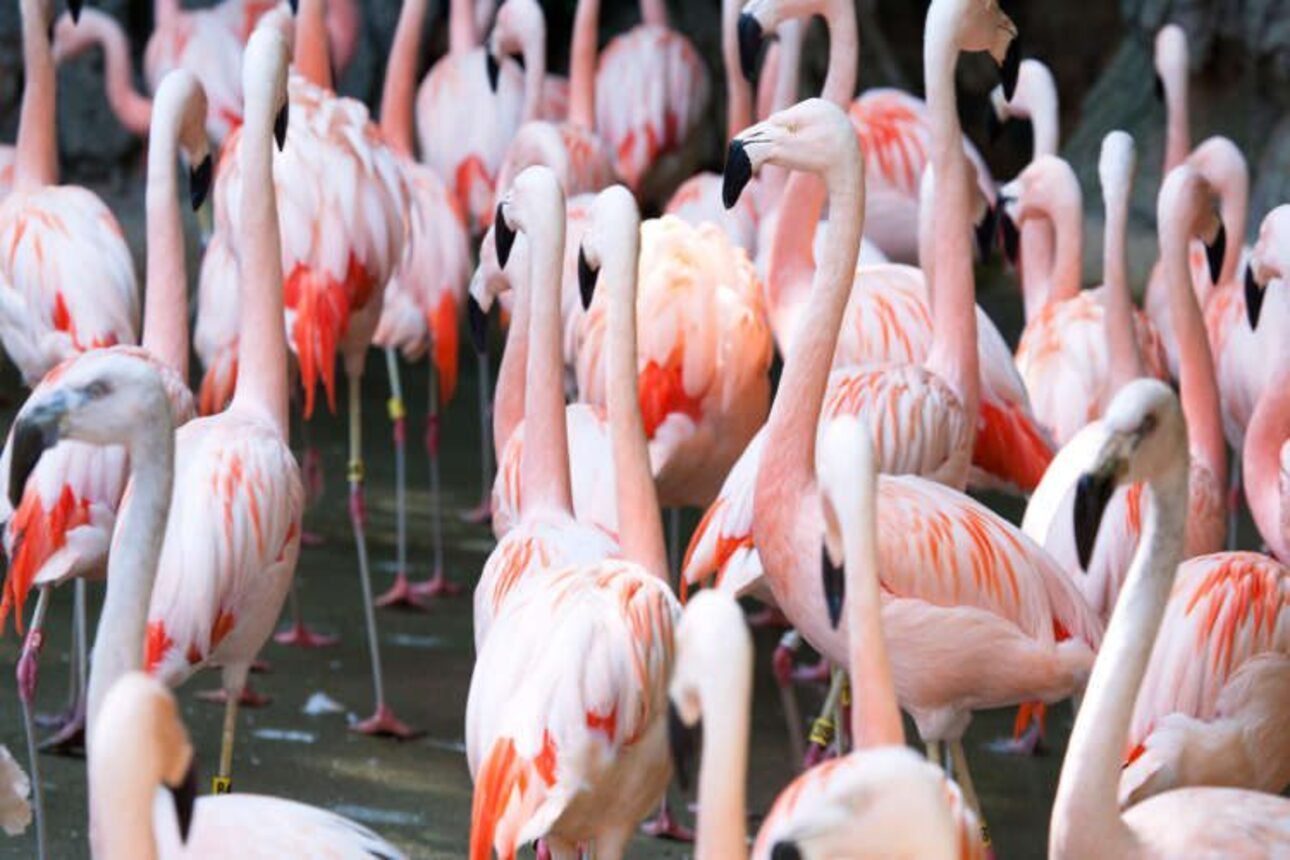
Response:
column 222, row 783
column 437, row 585
column 483, row 512
column 28, row 665
column 69, row 737
column 824, row 731
column 400, row 594
column 298, row 634
column 1234, row 500
column 934, row 752
column 611, row 844
column 963, row 776
column 382, row 722
column 674, row 542
column 665, row 826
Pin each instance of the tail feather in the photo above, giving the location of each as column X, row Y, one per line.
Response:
column 445, row 338
column 321, row 307
column 510, row 793
column 1010, row 447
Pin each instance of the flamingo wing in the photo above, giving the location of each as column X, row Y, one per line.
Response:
column 722, row 543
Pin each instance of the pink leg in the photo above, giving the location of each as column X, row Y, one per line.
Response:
column 400, row 593
column 299, row 635
column 768, row 617
column 482, row 513
column 437, row 585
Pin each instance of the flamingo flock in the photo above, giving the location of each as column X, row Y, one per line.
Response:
column 647, row 304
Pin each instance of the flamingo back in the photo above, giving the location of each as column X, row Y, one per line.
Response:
column 215, row 335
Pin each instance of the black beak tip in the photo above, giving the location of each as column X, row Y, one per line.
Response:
column 199, row 181
column 986, row 232
column 1253, row 298
column 1011, row 236
column 737, row 175
column 280, row 124
column 586, row 280
column 504, row 237
column 682, row 740
column 834, row 582
column 31, row 438
column 993, row 124
column 75, row 6
column 1215, row 252
column 184, row 796
column 1092, row 494
column 1011, row 68
column 751, row 39
column 1160, row 88
column 494, row 70
column 785, row 850
column 478, row 325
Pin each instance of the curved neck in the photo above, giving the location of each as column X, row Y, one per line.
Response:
column 262, row 358
column 791, row 262
column 165, row 314
column 786, row 477
column 533, row 50
column 1197, row 381
column 461, row 27
column 1037, row 265
column 122, row 795
column 640, row 526
column 722, row 831
column 401, row 79
column 654, row 13
column 953, row 354
column 312, row 49
column 508, row 398
column 1042, row 105
column 544, row 468
column 582, row 64
column 738, row 92
column 1068, row 253
column 132, row 109
column 1177, row 120
column 132, row 563
column 1086, row 812
column 1268, row 432
column 36, row 159
column 1125, row 363
column 844, row 52
column 1233, row 187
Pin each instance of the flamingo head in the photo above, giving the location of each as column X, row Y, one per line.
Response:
column 1267, row 263
column 613, row 234
column 1171, row 59
column 520, row 27
column 814, row 135
column 181, row 99
column 535, row 201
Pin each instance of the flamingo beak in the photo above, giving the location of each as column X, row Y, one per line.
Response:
column 199, row 181
column 280, row 125
column 586, row 279
column 751, row 40
column 493, row 68
column 683, row 741
column 785, row 850
column 35, row 432
column 834, row 581
column 75, row 6
column 986, row 231
column 1010, row 70
column 503, row 236
column 1008, row 229
column 1253, row 298
column 1160, row 88
column 1215, row 252
column 184, row 796
column 737, row 175
column 478, row 325
column 1092, row 494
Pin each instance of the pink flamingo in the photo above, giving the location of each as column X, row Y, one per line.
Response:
column 58, row 239
column 545, row 536
column 894, row 127
column 132, row 109
column 1068, row 348
column 566, row 736
column 1145, row 440
column 342, row 242
column 464, row 123
column 1035, row 99
column 420, row 313
column 143, row 747
column 571, row 147
column 1184, row 214
column 652, row 90
column 61, row 525
column 1037, row 625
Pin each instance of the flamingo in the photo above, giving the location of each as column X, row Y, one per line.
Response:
column 1068, row 351
column 15, row 808
column 132, row 109
column 572, row 148
column 1184, row 214
column 836, row 808
column 342, row 242
column 566, row 733
column 1042, row 632
column 1144, row 440
column 652, row 91
column 422, row 300
column 143, row 746
column 58, row 239
column 62, row 523
column 1035, row 99
column 894, row 127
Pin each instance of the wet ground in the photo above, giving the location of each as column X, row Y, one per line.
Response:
column 417, row 793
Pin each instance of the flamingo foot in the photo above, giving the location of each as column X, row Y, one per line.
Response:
column 480, row 515
column 56, row 721
column 768, row 617
column 665, row 826
column 436, row 587
column 69, row 739
column 1028, row 743
column 384, row 724
column 312, row 539
column 300, row 636
column 820, row 673
column 400, row 596
column 248, row 699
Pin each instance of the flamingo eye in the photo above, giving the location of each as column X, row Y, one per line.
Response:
column 97, row 389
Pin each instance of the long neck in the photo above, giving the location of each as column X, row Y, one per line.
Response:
column 312, row 51
column 1234, row 189
column 875, row 716
column 165, row 316
column 722, row 831
column 166, row 12
column 262, row 374
column 1068, row 255
column 654, row 12
column 1037, row 264
column 738, row 93
column 509, row 396
column 953, row 354
column 534, row 53
column 401, row 78
column 36, row 159
column 782, row 93
column 640, row 527
column 582, row 64
column 1086, row 810
column 1198, row 384
column 792, row 253
column 544, row 469
column 121, row 805
column 1118, row 308
column 1177, row 121
column 1041, row 93
column 844, row 52
column 1268, row 432
column 133, row 109
column 132, row 564
column 461, row 27
column 787, row 476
